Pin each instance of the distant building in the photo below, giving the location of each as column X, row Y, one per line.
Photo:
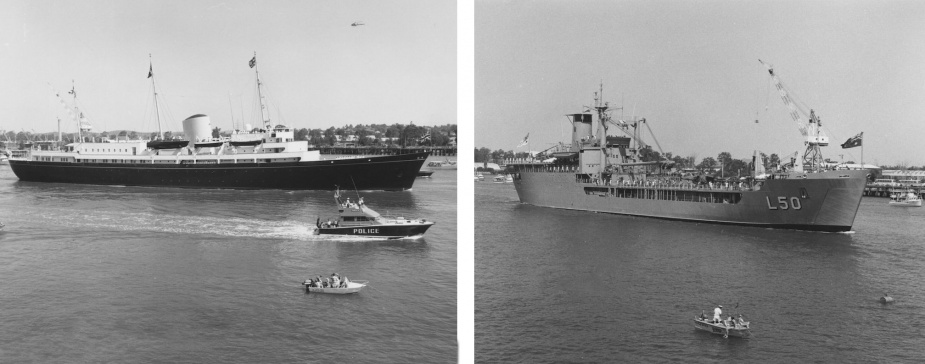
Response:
column 904, row 176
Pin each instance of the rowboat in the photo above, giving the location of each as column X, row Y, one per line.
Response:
column 707, row 324
column 352, row 287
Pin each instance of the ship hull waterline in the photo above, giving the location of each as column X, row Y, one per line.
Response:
column 390, row 173
column 400, row 231
column 825, row 202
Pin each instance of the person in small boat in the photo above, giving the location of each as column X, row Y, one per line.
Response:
column 702, row 317
column 717, row 314
column 740, row 321
column 345, row 282
column 361, row 201
column 335, row 281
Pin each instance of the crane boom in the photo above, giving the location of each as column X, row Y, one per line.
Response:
column 811, row 129
column 794, row 113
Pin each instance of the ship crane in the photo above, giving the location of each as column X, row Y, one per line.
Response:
column 602, row 109
column 810, row 125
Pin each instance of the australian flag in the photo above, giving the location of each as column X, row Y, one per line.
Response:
column 525, row 141
column 253, row 61
column 854, row 141
column 424, row 138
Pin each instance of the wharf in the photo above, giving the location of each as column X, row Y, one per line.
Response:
column 875, row 189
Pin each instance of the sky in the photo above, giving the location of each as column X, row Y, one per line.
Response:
column 317, row 69
column 691, row 69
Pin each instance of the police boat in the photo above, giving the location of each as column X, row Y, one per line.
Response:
column 356, row 219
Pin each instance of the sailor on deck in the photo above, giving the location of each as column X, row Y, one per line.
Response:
column 717, row 314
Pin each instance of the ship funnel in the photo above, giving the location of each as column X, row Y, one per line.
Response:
column 197, row 127
column 581, row 129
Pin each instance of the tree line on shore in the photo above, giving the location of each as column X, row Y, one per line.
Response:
column 366, row 135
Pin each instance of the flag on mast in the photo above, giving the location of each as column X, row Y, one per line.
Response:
column 524, row 142
column 150, row 70
column 253, row 61
column 425, row 137
column 855, row 141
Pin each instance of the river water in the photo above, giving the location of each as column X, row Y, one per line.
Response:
column 568, row 286
column 141, row 275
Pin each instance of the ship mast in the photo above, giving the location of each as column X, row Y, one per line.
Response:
column 83, row 125
column 264, row 117
column 157, row 114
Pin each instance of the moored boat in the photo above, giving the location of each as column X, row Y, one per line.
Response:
column 905, row 199
column 444, row 164
column 355, row 219
column 504, row 178
column 425, row 174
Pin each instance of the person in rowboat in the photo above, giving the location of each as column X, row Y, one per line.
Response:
column 717, row 314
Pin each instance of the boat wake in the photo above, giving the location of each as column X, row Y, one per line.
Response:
column 178, row 224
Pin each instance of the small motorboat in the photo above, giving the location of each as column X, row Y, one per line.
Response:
column 348, row 288
column 445, row 164
column 425, row 174
column 358, row 220
column 905, row 199
column 505, row 178
column 726, row 328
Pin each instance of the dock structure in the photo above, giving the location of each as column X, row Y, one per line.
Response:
column 381, row 150
column 874, row 189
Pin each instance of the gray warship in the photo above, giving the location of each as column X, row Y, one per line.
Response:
column 608, row 174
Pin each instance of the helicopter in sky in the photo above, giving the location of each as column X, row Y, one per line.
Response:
column 357, row 24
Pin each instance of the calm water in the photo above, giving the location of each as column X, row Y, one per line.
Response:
column 566, row 286
column 140, row 275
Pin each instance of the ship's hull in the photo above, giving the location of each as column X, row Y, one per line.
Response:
column 379, row 231
column 720, row 329
column 819, row 201
column 391, row 173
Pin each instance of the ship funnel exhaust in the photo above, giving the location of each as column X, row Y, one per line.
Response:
column 197, row 128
